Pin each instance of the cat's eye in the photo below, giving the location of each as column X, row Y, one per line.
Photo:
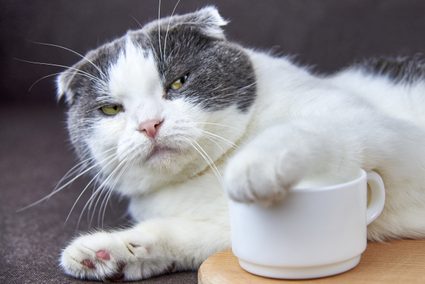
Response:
column 177, row 84
column 111, row 109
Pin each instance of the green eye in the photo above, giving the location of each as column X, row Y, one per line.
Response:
column 111, row 109
column 177, row 84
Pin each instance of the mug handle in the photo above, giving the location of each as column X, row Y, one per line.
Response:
column 377, row 196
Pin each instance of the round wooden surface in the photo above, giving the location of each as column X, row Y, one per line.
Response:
column 393, row 262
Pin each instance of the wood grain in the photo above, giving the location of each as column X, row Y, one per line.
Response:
column 392, row 262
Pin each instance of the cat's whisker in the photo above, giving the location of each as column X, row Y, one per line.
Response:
column 210, row 162
column 159, row 30
column 77, row 168
column 211, row 139
column 168, row 28
column 98, row 191
column 74, row 52
column 108, row 185
column 220, row 138
column 94, row 198
column 72, row 175
column 57, row 65
column 218, row 124
column 80, row 165
column 78, row 71
column 56, row 190
column 217, row 89
column 41, row 79
column 124, row 165
column 218, row 143
column 112, row 187
column 90, row 203
column 108, row 161
column 235, row 90
column 206, row 157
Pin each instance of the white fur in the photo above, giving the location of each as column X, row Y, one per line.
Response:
column 299, row 126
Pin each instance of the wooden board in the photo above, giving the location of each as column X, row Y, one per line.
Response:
column 392, row 262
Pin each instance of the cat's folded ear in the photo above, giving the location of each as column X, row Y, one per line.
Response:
column 62, row 86
column 208, row 20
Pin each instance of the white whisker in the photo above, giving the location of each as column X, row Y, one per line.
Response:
column 110, row 159
column 56, row 190
column 159, row 29
column 219, row 124
column 98, row 192
column 211, row 139
column 74, row 52
column 206, row 157
column 220, row 138
column 168, row 28
column 78, row 71
column 41, row 79
column 111, row 188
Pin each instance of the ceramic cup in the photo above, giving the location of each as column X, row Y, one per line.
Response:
column 316, row 231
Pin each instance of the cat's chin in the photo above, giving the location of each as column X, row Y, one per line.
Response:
column 161, row 153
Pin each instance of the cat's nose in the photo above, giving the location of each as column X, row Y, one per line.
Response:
column 150, row 127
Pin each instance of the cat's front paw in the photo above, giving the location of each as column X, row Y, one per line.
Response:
column 111, row 256
column 258, row 175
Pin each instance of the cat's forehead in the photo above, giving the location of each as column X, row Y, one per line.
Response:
column 134, row 72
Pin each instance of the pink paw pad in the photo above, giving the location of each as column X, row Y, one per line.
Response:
column 103, row 254
column 88, row 263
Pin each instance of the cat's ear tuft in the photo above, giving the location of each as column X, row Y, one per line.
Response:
column 210, row 21
column 62, row 86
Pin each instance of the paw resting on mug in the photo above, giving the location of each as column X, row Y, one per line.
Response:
column 258, row 175
column 111, row 256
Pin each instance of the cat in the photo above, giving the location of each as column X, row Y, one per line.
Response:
column 179, row 119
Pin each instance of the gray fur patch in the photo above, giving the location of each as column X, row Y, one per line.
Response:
column 219, row 73
column 406, row 69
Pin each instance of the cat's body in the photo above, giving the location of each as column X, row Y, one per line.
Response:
column 264, row 122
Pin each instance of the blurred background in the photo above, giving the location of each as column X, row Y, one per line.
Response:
column 34, row 150
column 328, row 34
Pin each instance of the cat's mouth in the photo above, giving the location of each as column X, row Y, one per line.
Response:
column 159, row 151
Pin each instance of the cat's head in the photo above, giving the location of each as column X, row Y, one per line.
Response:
column 161, row 103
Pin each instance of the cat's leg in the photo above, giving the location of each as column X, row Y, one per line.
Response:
column 280, row 156
column 151, row 248
column 267, row 167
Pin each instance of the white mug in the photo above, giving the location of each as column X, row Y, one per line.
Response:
column 314, row 232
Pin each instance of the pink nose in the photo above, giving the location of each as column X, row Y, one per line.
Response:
column 150, row 127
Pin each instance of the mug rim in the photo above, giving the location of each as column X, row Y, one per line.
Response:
column 361, row 174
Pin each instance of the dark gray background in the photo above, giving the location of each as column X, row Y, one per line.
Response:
column 328, row 34
column 34, row 152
